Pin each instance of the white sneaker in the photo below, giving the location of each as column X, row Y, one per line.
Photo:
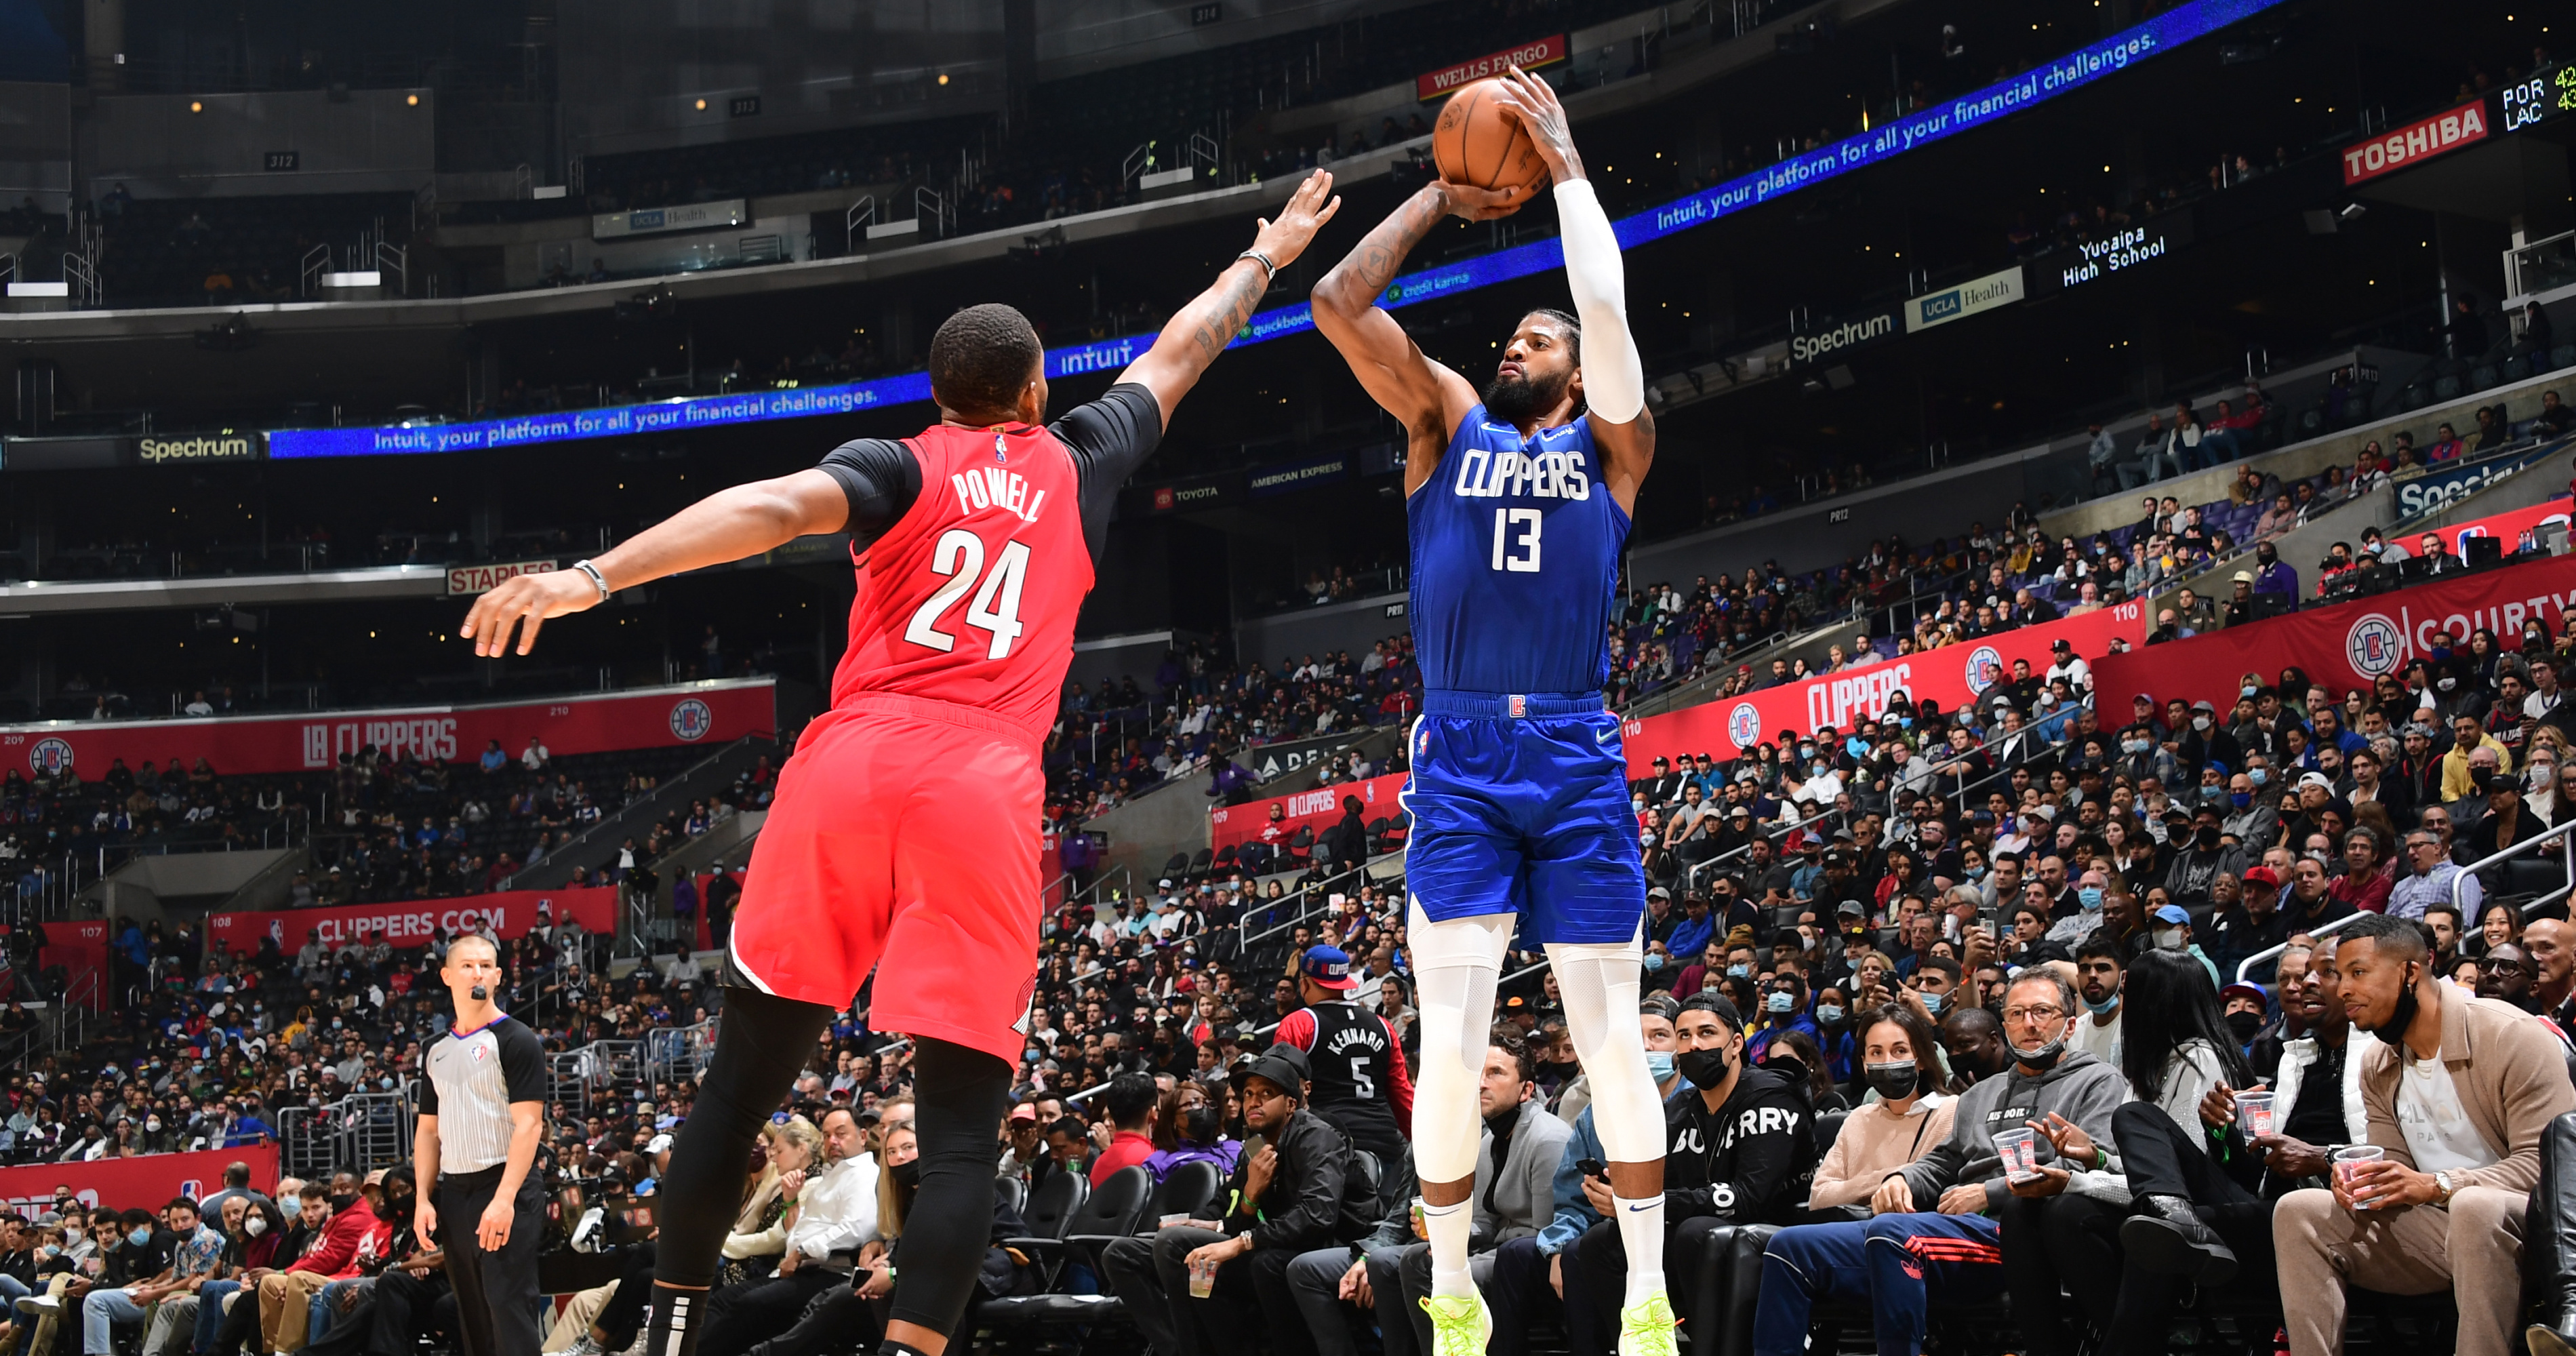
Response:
column 39, row 1304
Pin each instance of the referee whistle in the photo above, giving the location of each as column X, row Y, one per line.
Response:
column 479, row 993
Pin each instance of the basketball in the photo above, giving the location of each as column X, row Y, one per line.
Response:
column 1478, row 144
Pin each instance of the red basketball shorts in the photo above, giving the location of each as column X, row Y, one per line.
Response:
column 903, row 838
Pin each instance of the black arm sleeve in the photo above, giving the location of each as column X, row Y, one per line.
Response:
column 1110, row 438
column 882, row 478
column 523, row 1062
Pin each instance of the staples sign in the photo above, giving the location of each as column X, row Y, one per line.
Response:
column 464, row 580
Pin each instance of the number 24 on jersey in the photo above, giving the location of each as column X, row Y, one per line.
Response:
column 995, row 608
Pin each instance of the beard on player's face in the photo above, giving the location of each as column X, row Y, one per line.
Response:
column 1517, row 395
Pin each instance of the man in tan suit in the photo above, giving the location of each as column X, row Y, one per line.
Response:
column 2458, row 1091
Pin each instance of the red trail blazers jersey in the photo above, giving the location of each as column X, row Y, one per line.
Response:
column 971, row 596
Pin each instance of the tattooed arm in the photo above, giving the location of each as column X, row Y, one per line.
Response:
column 1201, row 330
column 1427, row 398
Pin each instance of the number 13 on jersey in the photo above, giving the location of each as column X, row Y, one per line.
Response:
column 1516, row 532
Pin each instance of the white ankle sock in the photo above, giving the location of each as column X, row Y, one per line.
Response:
column 1641, row 1230
column 1449, row 1227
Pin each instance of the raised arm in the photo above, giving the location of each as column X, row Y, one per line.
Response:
column 723, row 527
column 1425, row 396
column 1614, row 378
column 1201, row 330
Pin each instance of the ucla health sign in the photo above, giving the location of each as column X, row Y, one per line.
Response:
column 1964, row 300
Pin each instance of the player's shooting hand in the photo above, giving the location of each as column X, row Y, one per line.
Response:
column 1532, row 103
column 526, row 602
column 1481, row 204
column 1307, row 209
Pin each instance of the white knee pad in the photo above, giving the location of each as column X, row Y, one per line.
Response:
column 1455, row 966
column 1600, row 985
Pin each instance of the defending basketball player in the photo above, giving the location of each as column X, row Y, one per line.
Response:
column 904, row 827
column 1519, row 501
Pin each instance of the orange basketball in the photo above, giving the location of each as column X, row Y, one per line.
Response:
column 1478, row 144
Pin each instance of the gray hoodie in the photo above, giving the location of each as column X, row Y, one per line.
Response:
column 2079, row 1087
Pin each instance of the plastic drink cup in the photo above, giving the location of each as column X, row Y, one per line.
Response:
column 1180, row 1217
column 1202, row 1279
column 2254, row 1113
column 2019, row 1150
column 2349, row 1158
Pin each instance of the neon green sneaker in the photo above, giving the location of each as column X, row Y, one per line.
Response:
column 1459, row 1324
column 1646, row 1328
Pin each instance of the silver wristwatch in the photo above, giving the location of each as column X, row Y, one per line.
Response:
column 2442, row 1183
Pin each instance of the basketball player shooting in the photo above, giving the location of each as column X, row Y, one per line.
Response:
column 975, row 541
column 1519, row 502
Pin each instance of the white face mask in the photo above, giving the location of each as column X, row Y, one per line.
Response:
column 2171, row 939
column 255, row 1225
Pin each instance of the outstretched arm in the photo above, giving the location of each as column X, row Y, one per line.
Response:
column 1425, row 396
column 723, row 527
column 1614, row 378
column 1201, row 330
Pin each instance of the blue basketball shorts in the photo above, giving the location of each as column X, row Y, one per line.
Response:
column 1520, row 805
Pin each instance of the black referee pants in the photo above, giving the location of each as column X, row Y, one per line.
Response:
column 496, row 1292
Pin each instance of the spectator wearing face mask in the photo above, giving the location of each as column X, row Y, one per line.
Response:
column 2171, row 929
column 1905, row 1115
column 2101, row 973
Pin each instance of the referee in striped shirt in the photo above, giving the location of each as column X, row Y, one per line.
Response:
column 482, row 1113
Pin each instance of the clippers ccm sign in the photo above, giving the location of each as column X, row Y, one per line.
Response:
column 1953, row 675
column 2349, row 646
column 696, row 713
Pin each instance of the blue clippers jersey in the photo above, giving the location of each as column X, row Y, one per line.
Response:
column 1515, row 562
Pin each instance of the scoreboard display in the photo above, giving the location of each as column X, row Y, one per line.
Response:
column 2539, row 97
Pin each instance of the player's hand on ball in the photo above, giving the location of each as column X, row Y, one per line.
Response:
column 527, row 602
column 1481, row 204
column 1284, row 238
column 1533, row 103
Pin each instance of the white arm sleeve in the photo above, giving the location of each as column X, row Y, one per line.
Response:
column 1614, row 378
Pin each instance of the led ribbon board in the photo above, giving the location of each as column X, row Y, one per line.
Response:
column 2158, row 35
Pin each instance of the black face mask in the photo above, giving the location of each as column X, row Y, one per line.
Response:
column 2044, row 1058
column 340, row 1203
column 2393, row 1030
column 1704, row 1068
column 1556, row 1071
column 2207, row 837
column 2245, row 1025
column 907, row 1175
column 1895, row 1080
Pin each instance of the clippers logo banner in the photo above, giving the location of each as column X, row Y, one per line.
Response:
column 2347, row 645
column 1953, row 675
column 1319, row 809
column 124, row 1181
column 702, row 713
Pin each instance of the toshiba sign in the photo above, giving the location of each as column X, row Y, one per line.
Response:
column 2399, row 147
